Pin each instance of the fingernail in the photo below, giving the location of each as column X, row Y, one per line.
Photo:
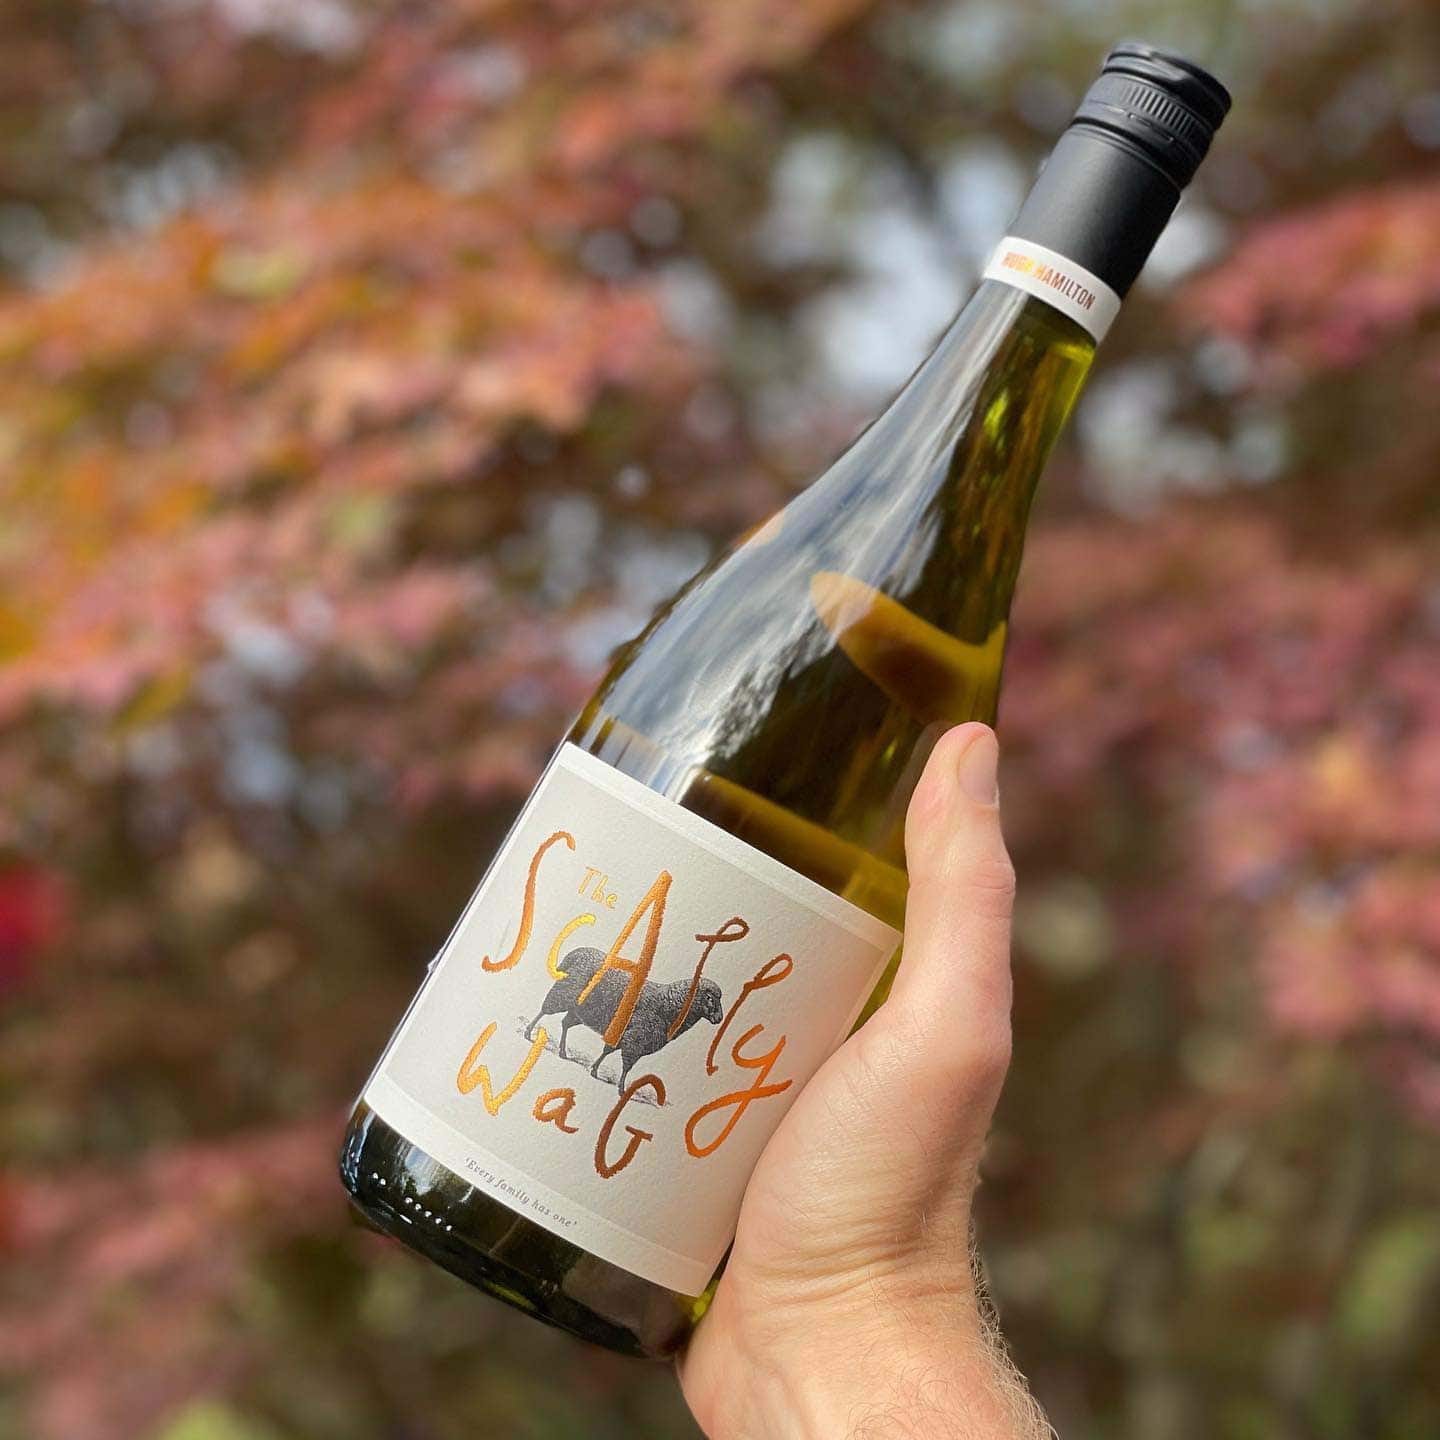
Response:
column 979, row 769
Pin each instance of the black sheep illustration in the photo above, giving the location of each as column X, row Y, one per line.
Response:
column 656, row 1010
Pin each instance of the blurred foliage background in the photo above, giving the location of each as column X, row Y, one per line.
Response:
column 368, row 369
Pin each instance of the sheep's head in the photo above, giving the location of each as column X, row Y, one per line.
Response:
column 709, row 1002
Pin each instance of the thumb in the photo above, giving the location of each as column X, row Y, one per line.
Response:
column 950, row 1005
column 857, row 1221
column 874, row 1166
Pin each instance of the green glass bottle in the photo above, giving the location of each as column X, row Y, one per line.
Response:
column 705, row 892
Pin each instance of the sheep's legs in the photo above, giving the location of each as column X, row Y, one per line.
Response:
column 565, row 1025
column 605, row 1053
column 530, row 1028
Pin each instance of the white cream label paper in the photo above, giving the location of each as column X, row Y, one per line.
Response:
column 1059, row 281
column 629, row 1004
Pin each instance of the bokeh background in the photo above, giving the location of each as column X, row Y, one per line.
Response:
column 368, row 368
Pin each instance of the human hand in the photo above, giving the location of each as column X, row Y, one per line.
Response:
column 849, row 1306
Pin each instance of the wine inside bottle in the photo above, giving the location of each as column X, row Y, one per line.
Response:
column 704, row 894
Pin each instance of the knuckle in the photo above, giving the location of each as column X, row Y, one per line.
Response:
column 991, row 885
column 882, row 1048
column 983, row 1061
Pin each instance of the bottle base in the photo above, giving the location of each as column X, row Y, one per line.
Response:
column 379, row 1170
column 512, row 1286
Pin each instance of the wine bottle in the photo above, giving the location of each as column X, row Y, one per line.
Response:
column 705, row 892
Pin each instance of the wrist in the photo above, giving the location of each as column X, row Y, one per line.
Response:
column 881, row 1391
column 843, row 1376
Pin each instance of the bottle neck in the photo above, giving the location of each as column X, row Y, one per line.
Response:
column 1003, row 434
column 1099, row 204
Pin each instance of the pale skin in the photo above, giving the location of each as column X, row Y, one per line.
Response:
column 849, row 1309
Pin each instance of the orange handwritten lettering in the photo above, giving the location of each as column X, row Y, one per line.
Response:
column 768, row 974
column 637, row 1137
column 473, row 1073
column 638, row 969
column 552, row 961
column 738, row 1100
column 554, row 1107
column 527, row 911
column 726, row 933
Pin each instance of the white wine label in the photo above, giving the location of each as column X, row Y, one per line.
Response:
column 1069, row 287
column 626, row 1009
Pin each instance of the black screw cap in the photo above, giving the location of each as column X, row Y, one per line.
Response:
column 1157, row 104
